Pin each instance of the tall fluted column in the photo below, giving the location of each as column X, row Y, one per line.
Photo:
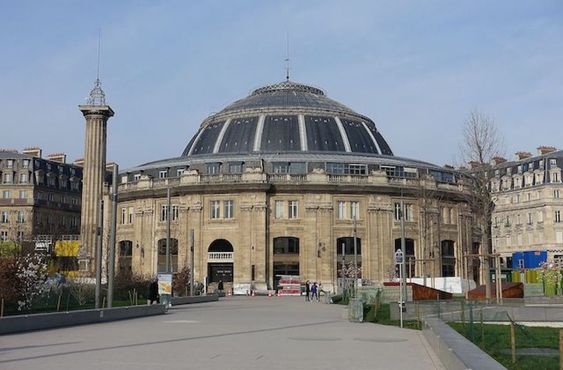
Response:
column 96, row 112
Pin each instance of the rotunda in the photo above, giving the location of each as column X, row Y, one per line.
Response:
column 287, row 181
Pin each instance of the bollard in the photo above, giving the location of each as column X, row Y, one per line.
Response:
column 560, row 348
column 513, row 341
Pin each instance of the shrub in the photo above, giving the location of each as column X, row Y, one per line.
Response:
column 181, row 281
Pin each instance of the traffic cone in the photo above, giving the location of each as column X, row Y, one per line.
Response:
column 270, row 294
column 253, row 293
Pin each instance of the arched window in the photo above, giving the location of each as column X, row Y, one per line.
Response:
column 162, row 255
column 220, row 245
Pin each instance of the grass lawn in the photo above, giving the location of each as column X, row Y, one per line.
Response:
column 496, row 339
column 383, row 316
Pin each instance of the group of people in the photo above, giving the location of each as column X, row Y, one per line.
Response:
column 312, row 291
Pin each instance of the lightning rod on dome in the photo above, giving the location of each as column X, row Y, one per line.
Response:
column 97, row 95
column 287, row 60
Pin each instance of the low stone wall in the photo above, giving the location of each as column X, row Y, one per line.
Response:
column 21, row 323
column 454, row 350
column 196, row 299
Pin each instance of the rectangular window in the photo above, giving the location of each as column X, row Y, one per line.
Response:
column 397, row 211
column 123, row 215
column 180, row 172
column 213, row 168
column 530, row 220
column 6, row 194
column 280, row 167
column 355, row 210
column 235, row 168
column 21, row 217
column 540, row 216
column 136, row 177
column 555, row 177
column 130, row 215
column 3, row 236
column 228, row 209
column 25, row 163
column 556, row 194
column 279, row 209
column 23, row 194
column 408, row 212
column 175, row 212
column 7, row 178
column 19, row 235
column 4, row 217
column 215, row 207
column 163, row 212
column 341, row 210
column 75, row 186
column 518, row 219
column 24, row 178
column 293, row 207
column 10, row 163
column 124, row 179
column 163, row 174
column 557, row 216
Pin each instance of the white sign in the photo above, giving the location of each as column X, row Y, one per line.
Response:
column 398, row 256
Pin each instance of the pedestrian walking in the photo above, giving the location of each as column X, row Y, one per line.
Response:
column 307, row 291
column 153, row 292
column 314, row 295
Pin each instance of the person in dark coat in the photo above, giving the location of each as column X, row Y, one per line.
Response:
column 153, row 292
column 307, row 291
column 220, row 286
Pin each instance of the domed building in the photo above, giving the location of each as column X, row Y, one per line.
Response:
column 281, row 183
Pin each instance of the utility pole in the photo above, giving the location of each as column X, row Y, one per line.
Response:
column 402, row 265
column 112, row 236
column 168, row 216
column 192, row 262
column 99, row 238
column 355, row 256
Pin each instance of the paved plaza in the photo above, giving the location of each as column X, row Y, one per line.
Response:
column 234, row 333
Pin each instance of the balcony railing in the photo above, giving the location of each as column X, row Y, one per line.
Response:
column 220, row 257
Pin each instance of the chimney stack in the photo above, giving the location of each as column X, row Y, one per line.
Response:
column 545, row 149
column 57, row 157
column 79, row 162
column 523, row 155
column 33, row 151
column 497, row 160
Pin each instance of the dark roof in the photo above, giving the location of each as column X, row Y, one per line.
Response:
column 284, row 118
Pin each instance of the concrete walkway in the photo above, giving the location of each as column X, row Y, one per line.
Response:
column 234, row 333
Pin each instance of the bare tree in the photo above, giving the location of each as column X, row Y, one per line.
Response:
column 481, row 144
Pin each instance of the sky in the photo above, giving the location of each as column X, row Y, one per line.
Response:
column 417, row 68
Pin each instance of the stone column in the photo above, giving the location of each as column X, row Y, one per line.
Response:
column 96, row 116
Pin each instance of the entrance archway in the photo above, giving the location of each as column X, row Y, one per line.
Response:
column 220, row 261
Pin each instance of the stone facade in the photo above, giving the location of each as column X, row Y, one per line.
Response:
column 39, row 198
column 318, row 223
column 528, row 196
